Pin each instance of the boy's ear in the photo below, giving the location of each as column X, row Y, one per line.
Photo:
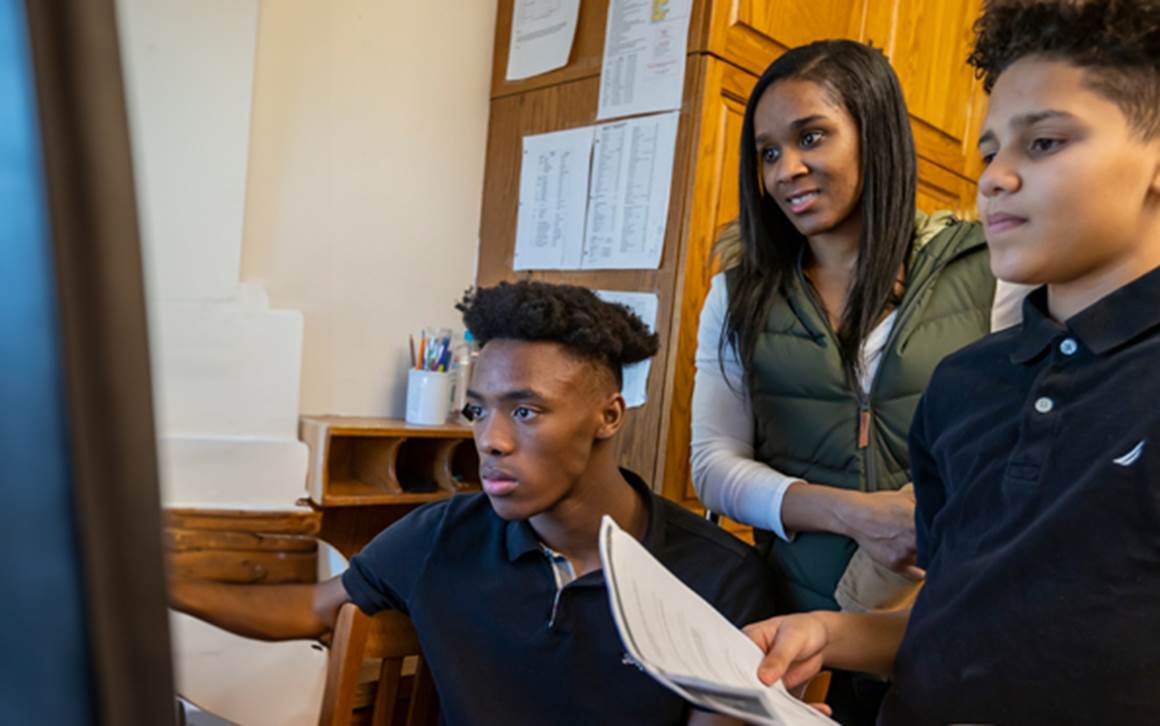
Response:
column 1154, row 187
column 611, row 416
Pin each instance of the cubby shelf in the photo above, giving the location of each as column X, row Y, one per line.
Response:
column 371, row 461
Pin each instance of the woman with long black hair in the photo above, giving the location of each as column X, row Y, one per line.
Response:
column 835, row 303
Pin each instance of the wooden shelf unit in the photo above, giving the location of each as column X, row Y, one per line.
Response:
column 376, row 461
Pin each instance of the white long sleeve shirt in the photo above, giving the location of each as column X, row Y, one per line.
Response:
column 727, row 478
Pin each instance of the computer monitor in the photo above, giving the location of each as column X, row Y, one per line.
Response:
column 82, row 591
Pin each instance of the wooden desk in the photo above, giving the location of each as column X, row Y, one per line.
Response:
column 365, row 473
column 244, row 547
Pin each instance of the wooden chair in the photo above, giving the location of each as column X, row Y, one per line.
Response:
column 389, row 636
column 817, row 688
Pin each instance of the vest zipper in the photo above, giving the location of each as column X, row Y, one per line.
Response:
column 864, row 424
column 864, row 416
column 865, row 401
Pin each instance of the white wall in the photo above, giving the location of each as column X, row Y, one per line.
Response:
column 364, row 181
column 226, row 367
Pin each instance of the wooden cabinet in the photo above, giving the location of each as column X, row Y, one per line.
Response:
column 730, row 43
column 927, row 42
column 750, row 34
column 713, row 203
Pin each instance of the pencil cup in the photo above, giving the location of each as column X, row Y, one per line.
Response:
column 428, row 397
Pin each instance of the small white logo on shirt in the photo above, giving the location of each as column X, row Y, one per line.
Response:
column 1131, row 457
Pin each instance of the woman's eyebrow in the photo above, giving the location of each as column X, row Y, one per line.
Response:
column 807, row 120
column 794, row 125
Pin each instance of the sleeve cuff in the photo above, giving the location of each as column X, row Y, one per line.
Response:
column 775, row 519
column 363, row 593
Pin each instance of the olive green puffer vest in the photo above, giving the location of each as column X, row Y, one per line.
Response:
column 813, row 422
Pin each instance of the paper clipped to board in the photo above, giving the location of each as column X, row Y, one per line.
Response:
column 596, row 197
column 684, row 643
column 635, row 376
column 644, row 57
column 553, row 200
column 628, row 194
column 542, row 35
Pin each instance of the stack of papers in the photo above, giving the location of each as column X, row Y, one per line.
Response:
column 684, row 643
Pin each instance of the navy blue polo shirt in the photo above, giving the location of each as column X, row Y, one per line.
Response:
column 1036, row 461
column 504, row 646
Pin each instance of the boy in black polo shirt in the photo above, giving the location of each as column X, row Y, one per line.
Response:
column 1036, row 451
column 504, row 587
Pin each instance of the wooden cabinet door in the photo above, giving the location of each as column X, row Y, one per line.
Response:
column 752, row 33
column 928, row 42
column 942, row 189
column 712, row 204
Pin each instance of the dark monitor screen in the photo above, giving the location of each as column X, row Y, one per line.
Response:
column 83, row 626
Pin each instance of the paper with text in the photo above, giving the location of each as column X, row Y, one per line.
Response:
column 684, row 643
column 628, row 196
column 553, row 200
column 644, row 57
column 644, row 304
column 542, row 35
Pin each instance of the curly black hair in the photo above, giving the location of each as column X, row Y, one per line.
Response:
column 1116, row 41
column 607, row 333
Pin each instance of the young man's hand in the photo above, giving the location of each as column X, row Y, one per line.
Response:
column 794, row 646
column 797, row 646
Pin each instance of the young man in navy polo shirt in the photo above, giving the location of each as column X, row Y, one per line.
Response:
column 504, row 587
column 1036, row 451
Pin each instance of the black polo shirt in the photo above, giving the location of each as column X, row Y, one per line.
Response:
column 1036, row 461
column 504, row 647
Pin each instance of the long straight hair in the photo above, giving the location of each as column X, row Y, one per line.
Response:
column 861, row 79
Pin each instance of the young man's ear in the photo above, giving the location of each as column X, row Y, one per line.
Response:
column 1154, row 150
column 611, row 415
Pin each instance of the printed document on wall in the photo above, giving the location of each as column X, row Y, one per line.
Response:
column 684, row 643
column 542, row 35
column 628, row 195
column 644, row 304
column 644, row 57
column 553, row 195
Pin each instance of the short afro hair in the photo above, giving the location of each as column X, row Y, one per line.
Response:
column 574, row 317
column 1116, row 41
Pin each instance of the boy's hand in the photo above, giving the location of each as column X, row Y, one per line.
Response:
column 793, row 647
column 882, row 523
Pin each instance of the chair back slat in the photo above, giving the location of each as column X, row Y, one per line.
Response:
column 390, row 636
column 387, row 693
column 347, row 647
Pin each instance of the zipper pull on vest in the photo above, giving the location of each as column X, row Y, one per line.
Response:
column 864, row 426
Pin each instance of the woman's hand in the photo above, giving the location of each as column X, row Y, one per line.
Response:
column 882, row 523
